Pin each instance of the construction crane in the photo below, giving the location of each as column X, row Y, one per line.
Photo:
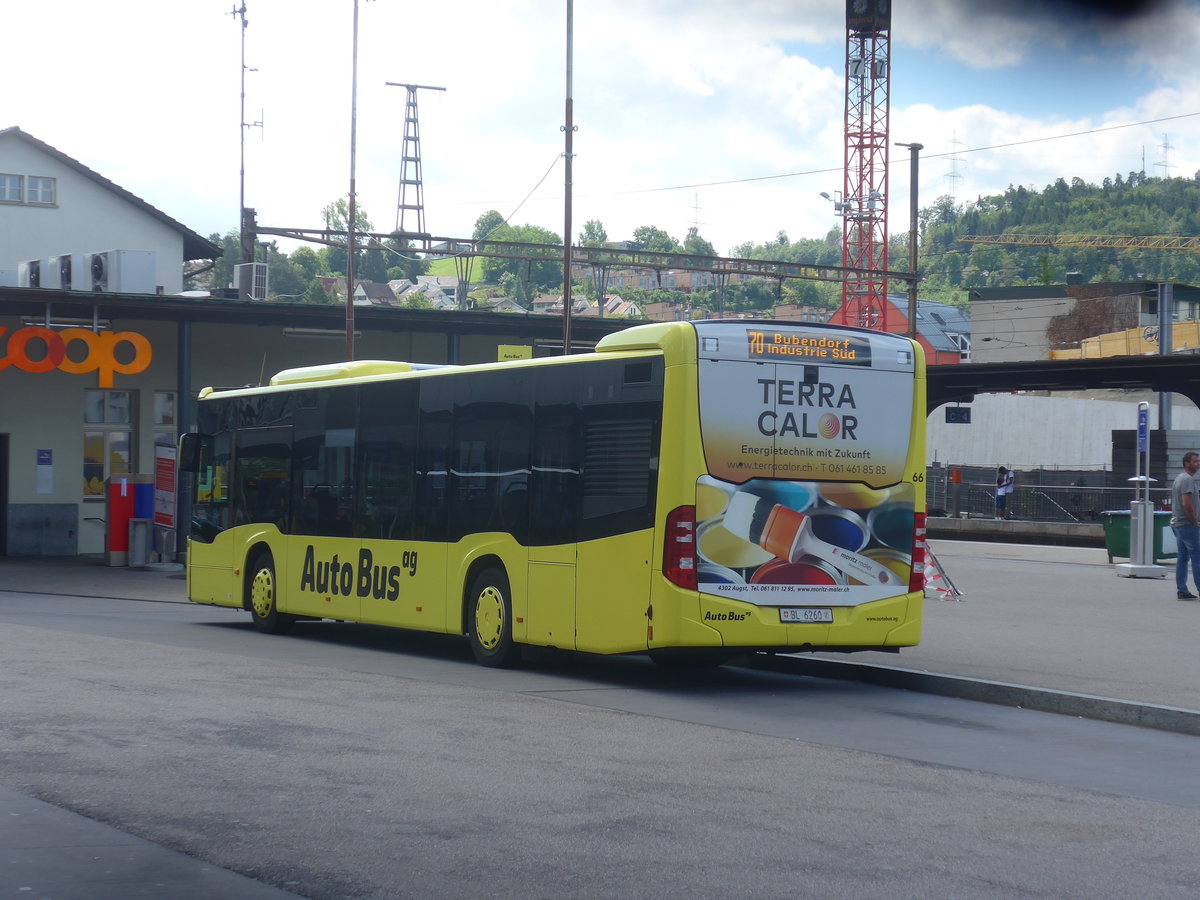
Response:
column 1116, row 241
column 863, row 201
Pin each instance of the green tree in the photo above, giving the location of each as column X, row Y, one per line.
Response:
column 538, row 275
column 593, row 234
column 698, row 246
column 316, row 294
column 221, row 275
column 337, row 218
column 486, row 224
column 401, row 261
column 307, row 261
column 647, row 237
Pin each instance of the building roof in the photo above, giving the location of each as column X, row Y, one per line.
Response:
column 936, row 322
column 194, row 246
column 380, row 294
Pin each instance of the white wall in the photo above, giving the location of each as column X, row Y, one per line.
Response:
column 1025, row 431
column 85, row 219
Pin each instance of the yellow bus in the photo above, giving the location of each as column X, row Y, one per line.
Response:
column 691, row 490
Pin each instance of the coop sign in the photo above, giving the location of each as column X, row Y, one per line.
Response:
column 38, row 349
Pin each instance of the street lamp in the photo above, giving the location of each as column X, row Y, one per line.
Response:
column 914, row 156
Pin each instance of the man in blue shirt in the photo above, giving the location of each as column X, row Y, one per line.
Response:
column 1185, row 522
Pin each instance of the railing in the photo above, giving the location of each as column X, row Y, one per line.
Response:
column 1033, row 502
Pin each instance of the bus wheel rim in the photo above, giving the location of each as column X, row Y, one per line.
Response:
column 262, row 594
column 489, row 618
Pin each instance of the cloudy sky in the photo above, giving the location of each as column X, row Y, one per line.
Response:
column 724, row 115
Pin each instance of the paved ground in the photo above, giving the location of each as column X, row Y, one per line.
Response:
column 1046, row 626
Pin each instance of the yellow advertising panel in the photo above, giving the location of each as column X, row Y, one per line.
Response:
column 506, row 352
column 798, row 404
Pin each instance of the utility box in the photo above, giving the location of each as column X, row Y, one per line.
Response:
column 126, row 497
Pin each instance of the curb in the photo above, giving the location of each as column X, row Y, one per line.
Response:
column 1066, row 703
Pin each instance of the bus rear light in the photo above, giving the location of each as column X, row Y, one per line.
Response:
column 679, row 547
column 916, row 581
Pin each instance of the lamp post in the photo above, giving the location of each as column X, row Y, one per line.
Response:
column 568, row 155
column 350, row 212
column 914, row 157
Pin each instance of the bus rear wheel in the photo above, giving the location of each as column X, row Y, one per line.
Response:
column 489, row 617
column 264, row 608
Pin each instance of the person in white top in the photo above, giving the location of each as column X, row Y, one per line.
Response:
column 1005, row 480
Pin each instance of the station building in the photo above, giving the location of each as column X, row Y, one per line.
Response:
column 101, row 354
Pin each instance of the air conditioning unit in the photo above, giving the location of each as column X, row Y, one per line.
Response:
column 251, row 280
column 29, row 273
column 71, row 271
column 122, row 271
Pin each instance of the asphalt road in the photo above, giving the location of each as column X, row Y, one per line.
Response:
column 346, row 761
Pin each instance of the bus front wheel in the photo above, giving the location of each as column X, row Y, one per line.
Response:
column 489, row 617
column 264, row 608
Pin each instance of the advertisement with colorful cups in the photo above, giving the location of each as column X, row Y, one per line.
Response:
column 772, row 542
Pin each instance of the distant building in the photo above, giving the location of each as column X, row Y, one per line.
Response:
column 797, row 312
column 614, row 307
column 943, row 331
column 373, row 294
column 1054, row 321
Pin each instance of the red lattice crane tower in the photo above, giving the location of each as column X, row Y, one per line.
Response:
column 863, row 204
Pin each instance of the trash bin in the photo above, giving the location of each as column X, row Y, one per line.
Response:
column 1116, row 534
column 141, row 532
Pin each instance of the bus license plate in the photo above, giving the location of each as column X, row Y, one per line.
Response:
column 805, row 614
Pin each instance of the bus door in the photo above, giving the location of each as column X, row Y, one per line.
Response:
column 554, row 487
column 210, row 545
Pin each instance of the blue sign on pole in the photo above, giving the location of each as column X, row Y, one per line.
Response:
column 1143, row 421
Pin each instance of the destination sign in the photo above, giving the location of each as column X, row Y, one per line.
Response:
column 807, row 346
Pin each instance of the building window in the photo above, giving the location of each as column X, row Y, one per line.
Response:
column 963, row 343
column 165, row 431
column 40, row 190
column 11, row 188
column 108, row 438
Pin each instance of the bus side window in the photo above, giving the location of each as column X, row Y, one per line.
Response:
column 263, row 466
column 555, row 458
column 490, row 462
column 210, row 499
column 387, row 439
column 323, row 463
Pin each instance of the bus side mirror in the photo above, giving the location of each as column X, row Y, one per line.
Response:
column 193, row 448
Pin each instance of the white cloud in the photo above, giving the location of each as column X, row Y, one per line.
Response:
column 666, row 95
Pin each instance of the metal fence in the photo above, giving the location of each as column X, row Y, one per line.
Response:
column 1032, row 500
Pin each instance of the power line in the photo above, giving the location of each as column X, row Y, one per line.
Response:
column 947, row 154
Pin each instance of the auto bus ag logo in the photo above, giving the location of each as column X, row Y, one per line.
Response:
column 100, row 354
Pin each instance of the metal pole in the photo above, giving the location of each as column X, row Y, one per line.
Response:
column 1166, row 345
column 569, row 131
column 914, row 157
column 245, row 241
column 183, row 420
column 350, row 212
